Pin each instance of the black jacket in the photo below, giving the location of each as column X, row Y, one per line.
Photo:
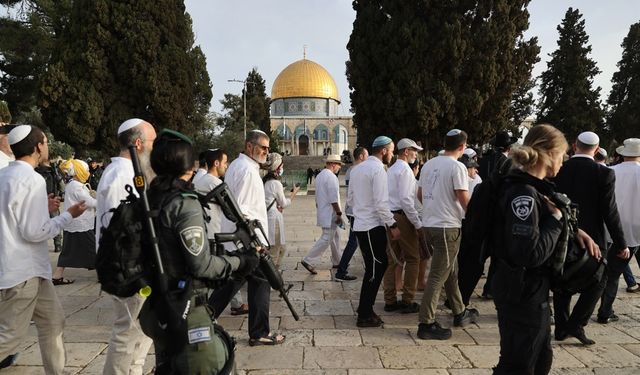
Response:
column 529, row 234
column 592, row 187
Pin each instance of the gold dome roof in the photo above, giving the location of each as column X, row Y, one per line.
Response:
column 304, row 78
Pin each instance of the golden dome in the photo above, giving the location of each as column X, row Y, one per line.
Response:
column 304, row 79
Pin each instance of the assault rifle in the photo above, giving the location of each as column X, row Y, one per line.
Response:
column 246, row 234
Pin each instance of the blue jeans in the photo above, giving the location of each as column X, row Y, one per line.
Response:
column 349, row 250
column 628, row 275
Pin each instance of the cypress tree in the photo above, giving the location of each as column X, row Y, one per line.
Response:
column 134, row 59
column 567, row 97
column 258, row 102
column 623, row 117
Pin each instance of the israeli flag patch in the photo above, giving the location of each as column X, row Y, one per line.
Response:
column 200, row 334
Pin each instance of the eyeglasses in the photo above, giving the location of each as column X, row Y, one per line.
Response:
column 263, row 148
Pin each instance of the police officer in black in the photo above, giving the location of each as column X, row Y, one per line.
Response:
column 527, row 237
column 189, row 262
column 55, row 188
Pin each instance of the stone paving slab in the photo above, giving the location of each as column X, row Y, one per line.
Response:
column 337, row 337
column 341, row 357
column 415, row 357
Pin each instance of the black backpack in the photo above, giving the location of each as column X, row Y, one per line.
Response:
column 124, row 261
column 123, row 251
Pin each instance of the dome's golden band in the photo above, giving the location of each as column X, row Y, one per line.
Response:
column 306, row 79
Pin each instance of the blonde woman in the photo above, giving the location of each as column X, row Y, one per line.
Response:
column 79, row 240
column 276, row 202
column 531, row 228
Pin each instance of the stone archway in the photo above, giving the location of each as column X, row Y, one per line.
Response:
column 303, row 145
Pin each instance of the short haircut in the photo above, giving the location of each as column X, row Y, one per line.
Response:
column 202, row 159
column 128, row 137
column 452, row 142
column 255, row 135
column 27, row 146
column 584, row 147
column 377, row 149
column 358, row 151
column 211, row 156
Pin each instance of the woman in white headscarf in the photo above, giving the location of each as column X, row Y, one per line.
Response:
column 276, row 202
column 78, row 241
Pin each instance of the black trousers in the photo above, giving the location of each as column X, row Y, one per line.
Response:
column 567, row 320
column 373, row 244
column 525, row 340
column 471, row 263
column 258, row 294
column 614, row 270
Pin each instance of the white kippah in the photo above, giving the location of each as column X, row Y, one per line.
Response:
column 589, row 138
column 453, row 132
column 130, row 123
column 19, row 133
column 470, row 152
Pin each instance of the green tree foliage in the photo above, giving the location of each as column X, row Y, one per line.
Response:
column 258, row 101
column 419, row 68
column 623, row 117
column 28, row 33
column 567, row 97
column 134, row 59
column 522, row 103
column 5, row 113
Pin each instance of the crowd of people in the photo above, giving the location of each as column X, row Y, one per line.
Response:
column 402, row 216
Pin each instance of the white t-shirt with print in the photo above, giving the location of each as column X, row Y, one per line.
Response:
column 440, row 177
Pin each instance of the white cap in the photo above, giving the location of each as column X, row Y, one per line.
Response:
column 470, row 152
column 406, row 143
column 129, row 124
column 19, row 133
column 589, row 138
column 602, row 152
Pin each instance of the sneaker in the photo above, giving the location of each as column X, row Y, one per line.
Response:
column 608, row 319
column 633, row 289
column 346, row 277
column 8, row 360
column 372, row 321
column 465, row 318
column 409, row 308
column 433, row 331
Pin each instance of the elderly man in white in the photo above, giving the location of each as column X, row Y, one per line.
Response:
column 128, row 346
column 328, row 215
column 26, row 290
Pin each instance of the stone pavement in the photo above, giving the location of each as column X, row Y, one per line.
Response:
column 326, row 339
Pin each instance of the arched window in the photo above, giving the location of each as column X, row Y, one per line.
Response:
column 321, row 133
column 284, row 132
column 340, row 134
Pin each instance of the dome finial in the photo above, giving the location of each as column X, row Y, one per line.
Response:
column 304, row 52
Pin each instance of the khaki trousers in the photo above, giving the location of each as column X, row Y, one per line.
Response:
column 34, row 299
column 405, row 249
column 128, row 345
column 444, row 271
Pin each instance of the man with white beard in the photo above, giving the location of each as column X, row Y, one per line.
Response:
column 128, row 346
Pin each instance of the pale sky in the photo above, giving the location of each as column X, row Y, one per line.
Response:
column 241, row 34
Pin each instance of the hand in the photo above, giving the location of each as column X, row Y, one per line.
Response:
column 280, row 209
column 54, row 202
column 586, row 242
column 553, row 208
column 395, row 234
column 248, row 262
column 339, row 220
column 296, row 189
column 77, row 209
column 624, row 254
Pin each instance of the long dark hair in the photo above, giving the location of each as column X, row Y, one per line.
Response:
column 172, row 156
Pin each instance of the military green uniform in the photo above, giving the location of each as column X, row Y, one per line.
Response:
column 195, row 347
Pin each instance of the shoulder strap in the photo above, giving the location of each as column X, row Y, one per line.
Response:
column 271, row 204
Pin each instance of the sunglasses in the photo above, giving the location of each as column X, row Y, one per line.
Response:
column 263, row 148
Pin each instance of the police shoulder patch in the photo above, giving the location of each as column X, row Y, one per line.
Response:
column 193, row 239
column 522, row 206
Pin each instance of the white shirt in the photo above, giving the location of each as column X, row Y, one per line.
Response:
column 205, row 185
column 199, row 173
column 368, row 195
column 440, row 177
column 628, row 200
column 243, row 179
column 5, row 159
column 111, row 191
column 273, row 189
column 347, row 209
column 327, row 192
column 402, row 193
column 473, row 182
column 25, row 225
column 74, row 192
